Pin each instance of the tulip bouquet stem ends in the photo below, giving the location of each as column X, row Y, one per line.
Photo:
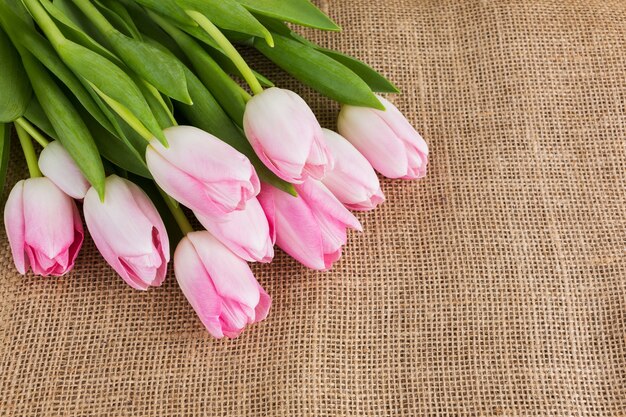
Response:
column 143, row 107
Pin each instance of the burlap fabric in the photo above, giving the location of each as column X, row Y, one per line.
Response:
column 497, row 286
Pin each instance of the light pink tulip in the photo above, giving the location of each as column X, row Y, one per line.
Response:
column 128, row 232
column 43, row 227
column 202, row 172
column 352, row 179
column 219, row 285
column 286, row 135
column 245, row 232
column 57, row 164
column 386, row 139
column 311, row 227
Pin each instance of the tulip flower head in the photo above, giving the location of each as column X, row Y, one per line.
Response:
column 43, row 226
column 57, row 164
column 202, row 172
column 246, row 232
column 386, row 139
column 312, row 227
column 352, row 180
column 219, row 285
column 128, row 232
column 286, row 135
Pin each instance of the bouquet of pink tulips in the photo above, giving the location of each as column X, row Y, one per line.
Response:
column 144, row 106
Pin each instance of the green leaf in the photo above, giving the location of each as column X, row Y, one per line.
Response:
column 5, row 145
column 228, row 14
column 19, row 10
column 155, row 66
column 376, row 81
column 320, row 72
column 119, row 17
column 112, row 82
column 116, row 150
column 74, row 32
column 71, row 130
column 15, row 90
column 223, row 88
column 168, row 9
column 77, row 17
column 207, row 115
column 36, row 115
column 158, row 105
column 23, row 34
column 300, row 12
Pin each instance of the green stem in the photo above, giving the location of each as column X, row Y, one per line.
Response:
column 45, row 22
column 32, row 131
column 177, row 212
column 228, row 49
column 246, row 97
column 95, row 16
column 29, row 152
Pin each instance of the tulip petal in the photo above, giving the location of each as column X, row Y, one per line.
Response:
column 128, row 232
column 195, row 282
column 286, row 135
column 231, row 275
column 297, row 231
column 245, row 232
column 14, row 224
column 263, row 308
column 372, row 136
column 49, row 230
column 57, row 164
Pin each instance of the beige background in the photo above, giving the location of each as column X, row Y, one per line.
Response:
column 496, row 286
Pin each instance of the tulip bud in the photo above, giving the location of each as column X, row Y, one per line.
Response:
column 219, row 285
column 202, row 172
column 245, row 232
column 128, row 232
column 386, row 139
column 286, row 135
column 311, row 227
column 43, row 226
column 352, row 179
column 57, row 164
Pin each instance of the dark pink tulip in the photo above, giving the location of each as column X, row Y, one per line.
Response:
column 312, row 227
column 128, row 232
column 43, row 227
column 219, row 285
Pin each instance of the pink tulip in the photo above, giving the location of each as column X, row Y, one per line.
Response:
column 311, row 227
column 128, row 232
column 386, row 139
column 245, row 232
column 43, row 226
column 352, row 179
column 219, row 285
column 286, row 135
column 202, row 172
column 57, row 164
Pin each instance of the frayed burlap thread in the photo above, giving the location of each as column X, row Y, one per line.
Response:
column 496, row 286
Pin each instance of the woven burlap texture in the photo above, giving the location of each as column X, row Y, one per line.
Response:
column 496, row 286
